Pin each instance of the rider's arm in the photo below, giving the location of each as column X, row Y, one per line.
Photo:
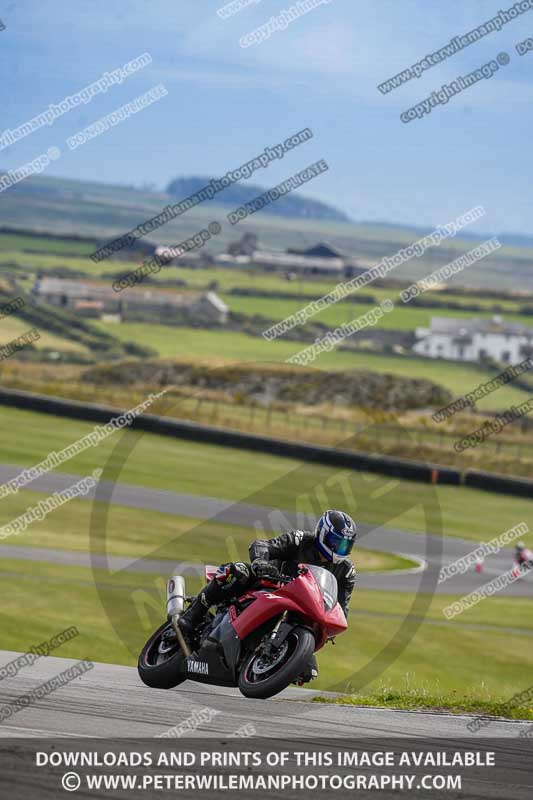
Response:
column 282, row 547
column 346, row 585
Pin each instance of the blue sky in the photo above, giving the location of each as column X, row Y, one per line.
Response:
column 226, row 103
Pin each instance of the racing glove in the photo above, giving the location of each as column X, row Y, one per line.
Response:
column 228, row 574
column 263, row 569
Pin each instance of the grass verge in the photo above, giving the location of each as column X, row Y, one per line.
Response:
column 417, row 700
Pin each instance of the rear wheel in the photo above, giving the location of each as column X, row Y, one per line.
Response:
column 161, row 662
column 264, row 676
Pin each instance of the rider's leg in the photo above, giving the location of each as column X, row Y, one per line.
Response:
column 230, row 580
column 198, row 609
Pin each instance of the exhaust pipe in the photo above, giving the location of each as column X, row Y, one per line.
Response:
column 175, row 605
column 175, row 596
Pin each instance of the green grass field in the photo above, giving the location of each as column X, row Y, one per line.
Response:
column 180, row 466
column 11, row 328
column 20, row 242
column 171, row 342
column 404, row 317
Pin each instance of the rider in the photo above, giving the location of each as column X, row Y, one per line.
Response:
column 522, row 554
column 328, row 546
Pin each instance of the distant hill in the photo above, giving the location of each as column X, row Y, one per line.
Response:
column 94, row 211
column 290, row 205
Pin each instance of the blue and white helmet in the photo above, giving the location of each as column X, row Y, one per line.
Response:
column 335, row 534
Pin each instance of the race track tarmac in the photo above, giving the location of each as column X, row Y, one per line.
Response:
column 110, row 701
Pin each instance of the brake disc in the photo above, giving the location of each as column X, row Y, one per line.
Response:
column 167, row 643
column 264, row 664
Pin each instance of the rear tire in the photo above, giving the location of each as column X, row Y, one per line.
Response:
column 161, row 670
column 301, row 645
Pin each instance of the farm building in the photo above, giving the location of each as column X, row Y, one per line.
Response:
column 321, row 259
column 144, row 305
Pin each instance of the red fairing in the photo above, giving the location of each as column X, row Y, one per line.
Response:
column 303, row 596
column 336, row 622
column 210, row 572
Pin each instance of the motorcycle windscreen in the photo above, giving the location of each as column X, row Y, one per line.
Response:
column 327, row 583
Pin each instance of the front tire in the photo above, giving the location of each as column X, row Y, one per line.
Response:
column 161, row 665
column 257, row 680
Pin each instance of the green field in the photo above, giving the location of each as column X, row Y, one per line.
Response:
column 20, row 242
column 170, row 342
column 403, row 318
column 11, row 328
column 32, row 262
column 470, row 665
column 176, row 465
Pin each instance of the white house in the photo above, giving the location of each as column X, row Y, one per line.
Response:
column 475, row 340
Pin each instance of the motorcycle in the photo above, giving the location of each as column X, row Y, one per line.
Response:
column 260, row 641
column 521, row 567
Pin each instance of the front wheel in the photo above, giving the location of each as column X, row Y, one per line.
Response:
column 161, row 662
column 264, row 676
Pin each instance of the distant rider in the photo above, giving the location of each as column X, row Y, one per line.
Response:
column 523, row 556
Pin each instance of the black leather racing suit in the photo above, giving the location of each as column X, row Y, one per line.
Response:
column 285, row 552
column 298, row 547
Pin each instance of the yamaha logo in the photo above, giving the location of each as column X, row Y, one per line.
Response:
column 200, row 667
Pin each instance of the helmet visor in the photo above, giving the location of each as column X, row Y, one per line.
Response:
column 339, row 544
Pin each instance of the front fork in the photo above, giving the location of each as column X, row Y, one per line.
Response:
column 271, row 641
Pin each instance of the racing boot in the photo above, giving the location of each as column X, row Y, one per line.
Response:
column 195, row 615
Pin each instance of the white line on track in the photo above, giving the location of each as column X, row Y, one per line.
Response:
column 48, row 732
